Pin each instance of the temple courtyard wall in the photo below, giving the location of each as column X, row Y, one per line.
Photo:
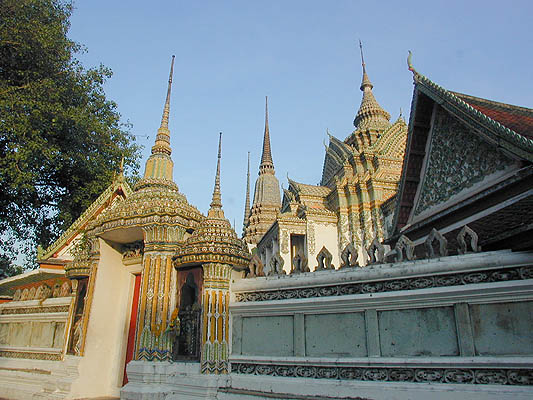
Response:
column 37, row 359
column 443, row 328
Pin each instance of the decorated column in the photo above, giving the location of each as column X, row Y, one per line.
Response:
column 158, row 286
column 215, row 318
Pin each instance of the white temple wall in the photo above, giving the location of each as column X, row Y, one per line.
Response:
column 322, row 235
column 107, row 332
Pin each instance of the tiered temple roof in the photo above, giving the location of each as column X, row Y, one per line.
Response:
column 214, row 240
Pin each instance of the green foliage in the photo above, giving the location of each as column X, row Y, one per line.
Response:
column 61, row 140
column 7, row 269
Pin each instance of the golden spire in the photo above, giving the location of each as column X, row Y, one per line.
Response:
column 159, row 166
column 216, row 202
column 370, row 115
column 162, row 141
column 267, row 165
column 247, row 201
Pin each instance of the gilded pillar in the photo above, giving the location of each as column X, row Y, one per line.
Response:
column 215, row 318
column 82, row 271
column 156, row 300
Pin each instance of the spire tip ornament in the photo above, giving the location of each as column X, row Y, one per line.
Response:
column 216, row 203
column 370, row 115
column 267, row 165
column 410, row 61
column 247, row 200
column 366, row 80
column 162, row 140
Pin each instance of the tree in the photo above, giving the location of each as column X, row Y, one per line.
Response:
column 61, row 140
column 7, row 269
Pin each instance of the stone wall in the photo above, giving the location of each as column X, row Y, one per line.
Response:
column 34, row 329
column 33, row 341
column 459, row 320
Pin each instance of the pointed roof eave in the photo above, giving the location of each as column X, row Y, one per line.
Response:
column 293, row 184
column 119, row 187
column 492, row 131
column 486, row 128
column 345, row 150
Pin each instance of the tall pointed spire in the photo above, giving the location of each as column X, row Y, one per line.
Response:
column 365, row 83
column 247, row 200
column 162, row 141
column 267, row 199
column 216, row 202
column 267, row 165
column 159, row 166
column 370, row 115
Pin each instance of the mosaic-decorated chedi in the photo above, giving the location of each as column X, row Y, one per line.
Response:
column 215, row 246
column 267, row 201
column 160, row 215
column 354, row 201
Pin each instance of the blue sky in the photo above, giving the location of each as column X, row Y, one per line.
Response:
column 302, row 54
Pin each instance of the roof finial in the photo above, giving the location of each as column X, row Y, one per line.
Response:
column 366, row 80
column 370, row 114
column 266, row 113
column 216, row 203
column 247, row 200
column 166, row 109
column 410, row 61
column 362, row 56
column 266, row 158
column 162, row 140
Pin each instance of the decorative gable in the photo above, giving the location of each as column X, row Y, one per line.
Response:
column 457, row 161
column 115, row 193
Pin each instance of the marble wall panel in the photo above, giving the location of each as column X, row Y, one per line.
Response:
column 502, row 328
column 268, row 336
column 423, row 332
column 20, row 334
column 42, row 334
column 346, row 339
column 4, row 334
column 59, row 335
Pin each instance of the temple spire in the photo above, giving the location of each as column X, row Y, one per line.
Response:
column 267, row 165
column 247, row 200
column 370, row 115
column 159, row 166
column 166, row 109
column 267, row 200
column 216, row 202
column 365, row 83
column 162, row 141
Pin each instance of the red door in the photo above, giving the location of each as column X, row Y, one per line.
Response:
column 133, row 323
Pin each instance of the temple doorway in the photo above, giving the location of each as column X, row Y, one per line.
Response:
column 187, row 343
